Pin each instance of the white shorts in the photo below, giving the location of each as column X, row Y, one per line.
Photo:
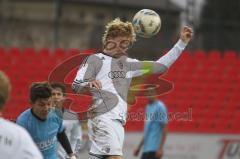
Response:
column 106, row 135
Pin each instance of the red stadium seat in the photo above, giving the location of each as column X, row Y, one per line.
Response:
column 214, row 55
column 199, row 55
column 44, row 52
column 29, row 52
column 2, row 51
column 59, row 53
column 186, row 55
column 72, row 52
column 230, row 55
column 14, row 53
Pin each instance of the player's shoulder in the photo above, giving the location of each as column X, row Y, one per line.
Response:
column 132, row 60
column 24, row 115
column 95, row 58
column 161, row 105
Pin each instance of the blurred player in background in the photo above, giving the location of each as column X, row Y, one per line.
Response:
column 15, row 142
column 43, row 124
column 107, row 76
column 72, row 125
column 155, row 128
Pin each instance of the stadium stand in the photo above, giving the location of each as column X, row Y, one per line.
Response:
column 206, row 87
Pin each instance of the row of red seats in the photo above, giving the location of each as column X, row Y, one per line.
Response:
column 193, row 56
column 208, row 85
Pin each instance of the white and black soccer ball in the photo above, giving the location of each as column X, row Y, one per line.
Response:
column 146, row 23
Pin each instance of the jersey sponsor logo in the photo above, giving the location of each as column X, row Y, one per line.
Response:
column 47, row 144
column 116, row 74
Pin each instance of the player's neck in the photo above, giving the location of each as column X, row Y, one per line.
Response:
column 37, row 116
column 106, row 53
column 117, row 56
column 152, row 100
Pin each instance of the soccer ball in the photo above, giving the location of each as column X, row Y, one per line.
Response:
column 146, row 23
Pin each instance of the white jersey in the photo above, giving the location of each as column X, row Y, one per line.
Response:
column 16, row 143
column 73, row 131
column 106, row 130
column 115, row 76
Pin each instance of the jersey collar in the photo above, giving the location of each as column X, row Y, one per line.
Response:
column 37, row 116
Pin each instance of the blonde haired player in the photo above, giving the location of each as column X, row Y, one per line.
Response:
column 107, row 75
column 15, row 142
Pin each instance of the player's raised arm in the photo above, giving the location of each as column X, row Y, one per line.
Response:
column 169, row 58
column 139, row 68
column 86, row 75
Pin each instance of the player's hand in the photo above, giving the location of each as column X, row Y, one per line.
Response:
column 186, row 34
column 159, row 154
column 73, row 157
column 136, row 152
column 95, row 84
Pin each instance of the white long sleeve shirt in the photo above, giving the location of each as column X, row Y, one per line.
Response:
column 115, row 76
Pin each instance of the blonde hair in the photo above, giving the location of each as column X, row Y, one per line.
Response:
column 118, row 28
column 4, row 88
